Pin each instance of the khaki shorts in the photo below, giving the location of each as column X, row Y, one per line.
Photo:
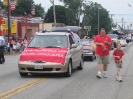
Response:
column 103, row 60
column 118, row 65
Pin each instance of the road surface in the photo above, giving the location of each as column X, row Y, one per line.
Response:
column 82, row 85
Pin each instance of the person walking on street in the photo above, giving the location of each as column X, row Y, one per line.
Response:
column 118, row 56
column 103, row 43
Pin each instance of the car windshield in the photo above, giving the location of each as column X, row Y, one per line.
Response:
column 49, row 41
column 87, row 42
column 113, row 36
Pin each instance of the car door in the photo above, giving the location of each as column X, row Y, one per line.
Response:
column 73, row 52
column 78, row 49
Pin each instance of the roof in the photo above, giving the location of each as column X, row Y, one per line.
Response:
column 53, row 33
column 74, row 29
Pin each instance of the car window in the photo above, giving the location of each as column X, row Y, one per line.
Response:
column 113, row 36
column 86, row 42
column 49, row 41
column 77, row 39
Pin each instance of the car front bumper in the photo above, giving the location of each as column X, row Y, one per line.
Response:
column 87, row 54
column 29, row 67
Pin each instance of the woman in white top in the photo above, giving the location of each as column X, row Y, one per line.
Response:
column 14, row 48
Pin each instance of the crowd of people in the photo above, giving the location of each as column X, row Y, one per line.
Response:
column 15, row 45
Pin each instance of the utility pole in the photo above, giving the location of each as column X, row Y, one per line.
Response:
column 52, row 1
column 122, row 23
column 9, row 27
column 111, row 20
column 98, row 20
column 79, row 16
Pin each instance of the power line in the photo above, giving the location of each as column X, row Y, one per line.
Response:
column 124, row 14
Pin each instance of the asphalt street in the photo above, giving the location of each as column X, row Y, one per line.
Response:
column 81, row 85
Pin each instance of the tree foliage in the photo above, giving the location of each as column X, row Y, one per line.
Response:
column 74, row 6
column 91, row 18
column 61, row 14
column 89, row 14
column 24, row 6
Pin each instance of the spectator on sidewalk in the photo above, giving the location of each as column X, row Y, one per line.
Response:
column 14, row 48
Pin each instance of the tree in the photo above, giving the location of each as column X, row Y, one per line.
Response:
column 39, row 11
column 74, row 6
column 90, row 17
column 24, row 6
column 61, row 14
column 1, row 4
column 89, row 11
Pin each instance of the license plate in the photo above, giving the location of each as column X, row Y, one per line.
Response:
column 38, row 66
column 85, row 51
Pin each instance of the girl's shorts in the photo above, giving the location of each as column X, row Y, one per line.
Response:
column 119, row 65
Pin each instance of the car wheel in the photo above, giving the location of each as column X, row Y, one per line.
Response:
column 69, row 70
column 81, row 64
column 23, row 74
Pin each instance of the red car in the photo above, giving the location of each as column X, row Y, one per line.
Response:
column 87, row 49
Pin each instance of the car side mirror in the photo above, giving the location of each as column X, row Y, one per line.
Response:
column 74, row 46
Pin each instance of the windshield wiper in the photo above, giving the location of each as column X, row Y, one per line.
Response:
column 52, row 47
column 32, row 47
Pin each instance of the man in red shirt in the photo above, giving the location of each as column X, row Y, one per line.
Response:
column 103, row 43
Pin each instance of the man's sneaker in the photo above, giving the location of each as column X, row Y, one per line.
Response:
column 120, row 79
column 104, row 75
column 116, row 78
column 98, row 76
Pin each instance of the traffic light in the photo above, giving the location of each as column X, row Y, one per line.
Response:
column 130, row 25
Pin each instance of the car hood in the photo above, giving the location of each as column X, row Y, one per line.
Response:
column 53, row 55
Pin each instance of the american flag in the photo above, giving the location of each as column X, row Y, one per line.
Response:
column 12, row 5
column 33, row 9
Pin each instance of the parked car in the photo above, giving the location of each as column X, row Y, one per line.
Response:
column 122, row 36
column 52, row 52
column 123, row 42
column 114, row 38
column 87, row 49
column 128, row 39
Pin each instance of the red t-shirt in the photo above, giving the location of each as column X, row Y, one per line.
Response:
column 119, row 53
column 102, row 50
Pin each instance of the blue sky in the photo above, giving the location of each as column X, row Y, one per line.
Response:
column 119, row 8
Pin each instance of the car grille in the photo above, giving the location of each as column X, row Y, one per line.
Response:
column 87, row 51
column 44, row 69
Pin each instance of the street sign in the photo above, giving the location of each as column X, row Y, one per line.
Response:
column 5, row 26
column 87, row 28
column 5, row 2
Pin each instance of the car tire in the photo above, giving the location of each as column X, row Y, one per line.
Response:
column 23, row 74
column 91, row 58
column 69, row 69
column 81, row 64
